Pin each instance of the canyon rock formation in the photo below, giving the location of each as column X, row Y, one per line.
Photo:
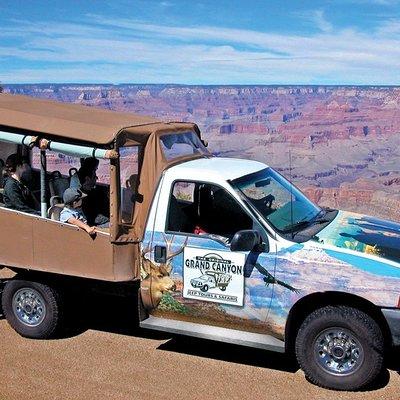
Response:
column 344, row 141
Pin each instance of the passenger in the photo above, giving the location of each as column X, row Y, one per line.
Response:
column 72, row 212
column 16, row 195
column 89, row 163
column 131, row 188
column 96, row 205
column 3, row 173
column 26, row 177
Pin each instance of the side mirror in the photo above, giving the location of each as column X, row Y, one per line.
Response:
column 245, row 240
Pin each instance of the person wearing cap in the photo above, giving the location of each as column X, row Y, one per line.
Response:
column 72, row 212
column 16, row 195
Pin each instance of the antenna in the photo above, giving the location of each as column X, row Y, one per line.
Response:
column 291, row 190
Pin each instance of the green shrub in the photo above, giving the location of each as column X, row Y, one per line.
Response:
column 168, row 303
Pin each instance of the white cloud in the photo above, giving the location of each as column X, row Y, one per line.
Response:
column 390, row 28
column 383, row 2
column 322, row 23
column 119, row 50
column 315, row 18
column 373, row 2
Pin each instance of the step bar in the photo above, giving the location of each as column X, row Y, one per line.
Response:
column 210, row 332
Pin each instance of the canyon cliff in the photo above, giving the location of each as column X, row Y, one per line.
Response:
column 344, row 141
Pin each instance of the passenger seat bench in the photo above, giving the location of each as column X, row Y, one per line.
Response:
column 54, row 211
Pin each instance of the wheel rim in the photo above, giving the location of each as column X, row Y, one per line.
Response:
column 29, row 306
column 338, row 351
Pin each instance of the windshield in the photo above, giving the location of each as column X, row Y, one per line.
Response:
column 181, row 144
column 271, row 194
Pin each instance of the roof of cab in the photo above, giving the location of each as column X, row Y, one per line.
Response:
column 73, row 121
column 215, row 168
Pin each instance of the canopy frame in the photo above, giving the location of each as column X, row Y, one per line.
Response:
column 44, row 144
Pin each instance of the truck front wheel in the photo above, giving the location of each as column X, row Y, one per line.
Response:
column 31, row 308
column 340, row 348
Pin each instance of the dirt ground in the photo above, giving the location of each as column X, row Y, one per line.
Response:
column 108, row 357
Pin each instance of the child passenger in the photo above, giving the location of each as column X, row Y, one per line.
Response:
column 72, row 212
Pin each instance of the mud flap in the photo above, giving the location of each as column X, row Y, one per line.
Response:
column 2, row 284
column 393, row 319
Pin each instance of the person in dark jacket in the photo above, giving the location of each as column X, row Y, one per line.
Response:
column 95, row 205
column 16, row 195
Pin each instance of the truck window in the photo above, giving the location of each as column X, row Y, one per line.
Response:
column 128, row 165
column 201, row 208
column 184, row 192
column 279, row 202
column 181, row 144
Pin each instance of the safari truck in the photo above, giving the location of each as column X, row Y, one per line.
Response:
column 320, row 283
column 211, row 279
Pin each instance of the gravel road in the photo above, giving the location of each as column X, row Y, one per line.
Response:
column 107, row 357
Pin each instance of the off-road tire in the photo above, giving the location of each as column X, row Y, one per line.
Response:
column 48, row 327
column 362, row 327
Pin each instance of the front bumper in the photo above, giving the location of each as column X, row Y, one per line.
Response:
column 392, row 317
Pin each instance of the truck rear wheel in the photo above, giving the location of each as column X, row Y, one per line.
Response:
column 31, row 308
column 340, row 348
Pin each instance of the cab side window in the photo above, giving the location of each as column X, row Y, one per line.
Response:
column 201, row 208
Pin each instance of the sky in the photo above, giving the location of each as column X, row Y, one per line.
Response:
column 204, row 42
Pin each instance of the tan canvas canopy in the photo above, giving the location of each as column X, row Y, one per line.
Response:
column 77, row 123
column 73, row 121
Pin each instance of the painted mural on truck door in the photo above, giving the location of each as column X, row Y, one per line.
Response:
column 206, row 283
column 273, row 282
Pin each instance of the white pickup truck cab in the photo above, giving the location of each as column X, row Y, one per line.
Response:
column 322, row 282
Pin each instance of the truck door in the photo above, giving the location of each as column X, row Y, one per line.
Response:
column 189, row 272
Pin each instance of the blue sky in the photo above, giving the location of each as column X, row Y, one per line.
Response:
column 200, row 42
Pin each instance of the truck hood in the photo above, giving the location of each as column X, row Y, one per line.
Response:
column 364, row 234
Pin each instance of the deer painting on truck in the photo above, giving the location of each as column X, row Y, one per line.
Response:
column 156, row 276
